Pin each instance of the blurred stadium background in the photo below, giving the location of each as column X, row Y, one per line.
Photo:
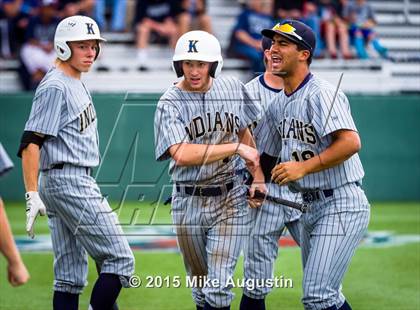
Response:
column 384, row 96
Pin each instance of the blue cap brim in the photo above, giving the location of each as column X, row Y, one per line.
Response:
column 270, row 33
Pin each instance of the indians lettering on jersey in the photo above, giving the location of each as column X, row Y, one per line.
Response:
column 297, row 130
column 219, row 121
column 87, row 117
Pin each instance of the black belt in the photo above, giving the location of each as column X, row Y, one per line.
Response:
column 61, row 166
column 57, row 166
column 205, row 191
column 312, row 196
column 309, row 197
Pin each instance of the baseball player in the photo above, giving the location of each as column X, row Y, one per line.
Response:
column 201, row 125
column 319, row 145
column 270, row 220
column 17, row 274
column 61, row 141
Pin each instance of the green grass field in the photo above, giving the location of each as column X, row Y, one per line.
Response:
column 378, row 278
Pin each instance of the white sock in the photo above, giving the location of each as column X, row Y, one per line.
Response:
column 141, row 56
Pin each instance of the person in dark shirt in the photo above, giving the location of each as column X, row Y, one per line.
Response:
column 288, row 9
column 76, row 7
column 194, row 10
column 158, row 16
column 246, row 39
column 13, row 24
column 37, row 52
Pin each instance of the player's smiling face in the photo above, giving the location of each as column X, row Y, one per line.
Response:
column 284, row 56
column 82, row 54
column 196, row 75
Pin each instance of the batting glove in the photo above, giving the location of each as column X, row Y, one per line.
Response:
column 34, row 206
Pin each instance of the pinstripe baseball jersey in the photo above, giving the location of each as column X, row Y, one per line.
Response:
column 214, row 117
column 62, row 109
column 204, row 224
column 268, row 222
column 6, row 163
column 80, row 219
column 302, row 121
column 258, row 88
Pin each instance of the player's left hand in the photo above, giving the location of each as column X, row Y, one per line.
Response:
column 287, row 172
column 34, row 206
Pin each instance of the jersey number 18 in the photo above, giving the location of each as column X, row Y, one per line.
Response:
column 301, row 156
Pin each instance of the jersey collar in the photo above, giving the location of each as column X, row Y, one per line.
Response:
column 263, row 83
column 304, row 82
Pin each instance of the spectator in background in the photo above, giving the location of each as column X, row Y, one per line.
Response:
column 38, row 53
column 288, row 9
column 246, row 38
column 194, row 9
column 68, row 8
column 30, row 7
column 334, row 27
column 118, row 9
column 17, row 274
column 155, row 16
column 310, row 16
column 305, row 11
column 13, row 23
column 361, row 19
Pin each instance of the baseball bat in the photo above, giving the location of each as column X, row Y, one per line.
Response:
column 295, row 205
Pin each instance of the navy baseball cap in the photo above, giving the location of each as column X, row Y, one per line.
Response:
column 295, row 31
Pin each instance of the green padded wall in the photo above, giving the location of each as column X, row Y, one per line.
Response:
column 388, row 126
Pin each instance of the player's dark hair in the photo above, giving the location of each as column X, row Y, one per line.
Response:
column 302, row 48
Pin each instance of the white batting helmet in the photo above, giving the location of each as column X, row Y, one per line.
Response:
column 198, row 45
column 75, row 28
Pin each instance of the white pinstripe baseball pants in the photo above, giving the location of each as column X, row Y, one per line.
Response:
column 331, row 232
column 210, row 233
column 81, row 221
column 267, row 224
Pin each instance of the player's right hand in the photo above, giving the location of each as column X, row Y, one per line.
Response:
column 249, row 154
column 34, row 206
column 257, row 192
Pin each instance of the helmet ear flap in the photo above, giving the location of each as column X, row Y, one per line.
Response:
column 216, row 68
column 62, row 50
column 177, row 66
column 213, row 68
column 98, row 50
